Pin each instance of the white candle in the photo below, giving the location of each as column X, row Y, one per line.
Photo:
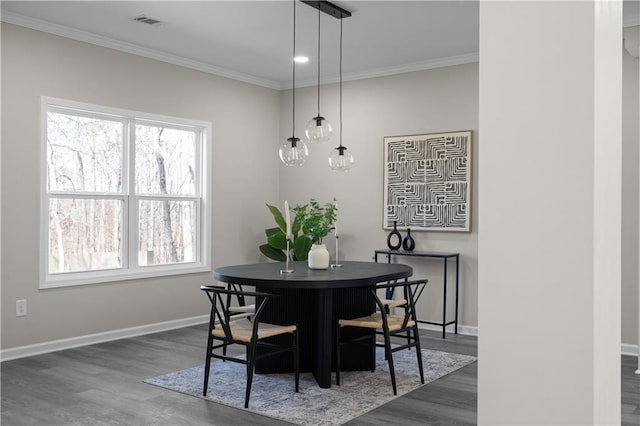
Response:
column 335, row 204
column 287, row 218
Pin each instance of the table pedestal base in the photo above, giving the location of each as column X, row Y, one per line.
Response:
column 316, row 312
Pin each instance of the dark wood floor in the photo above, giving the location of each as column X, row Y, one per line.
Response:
column 102, row 385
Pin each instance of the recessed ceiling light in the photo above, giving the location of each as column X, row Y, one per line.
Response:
column 301, row 59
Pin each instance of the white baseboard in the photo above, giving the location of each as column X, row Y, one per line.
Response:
column 626, row 349
column 90, row 339
column 629, row 349
column 468, row 330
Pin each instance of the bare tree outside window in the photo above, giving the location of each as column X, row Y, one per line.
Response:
column 122, row 192
column 165, row 163
column 84, row 157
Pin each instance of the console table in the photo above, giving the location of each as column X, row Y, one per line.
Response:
column 434, row 255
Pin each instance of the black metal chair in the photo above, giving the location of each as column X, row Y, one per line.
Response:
column 229, row 330
column 388, row 324
column 242, row 308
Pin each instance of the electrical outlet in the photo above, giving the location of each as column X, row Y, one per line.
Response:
column 21, row 308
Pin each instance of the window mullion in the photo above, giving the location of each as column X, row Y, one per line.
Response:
column 132, row 210
column 200, row 161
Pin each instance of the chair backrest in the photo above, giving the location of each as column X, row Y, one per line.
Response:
column 411, row 291
column 221, row 298
column 240, row 296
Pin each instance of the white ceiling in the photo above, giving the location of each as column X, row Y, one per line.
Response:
column 252, row 40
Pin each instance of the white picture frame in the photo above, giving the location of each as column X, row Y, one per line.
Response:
column 427, row 181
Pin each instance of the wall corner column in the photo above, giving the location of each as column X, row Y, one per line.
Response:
column 632, row 44
column 550, row 212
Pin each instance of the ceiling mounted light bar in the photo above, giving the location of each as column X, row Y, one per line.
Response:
column 328, row 8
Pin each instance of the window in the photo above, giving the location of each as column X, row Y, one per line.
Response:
column 124, row 194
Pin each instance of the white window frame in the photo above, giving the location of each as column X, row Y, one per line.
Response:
column 130, row 268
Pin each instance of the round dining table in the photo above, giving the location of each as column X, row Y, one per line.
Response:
column 314, row 299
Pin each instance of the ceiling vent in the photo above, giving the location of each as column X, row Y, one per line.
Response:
column 147, row 20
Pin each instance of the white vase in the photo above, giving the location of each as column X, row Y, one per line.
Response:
column 318, row 257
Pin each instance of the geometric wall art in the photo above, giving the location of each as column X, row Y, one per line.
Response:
column 427, row 181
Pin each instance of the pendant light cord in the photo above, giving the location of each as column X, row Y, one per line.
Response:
column 293, row 130
column 341, row 84
column 318, row 61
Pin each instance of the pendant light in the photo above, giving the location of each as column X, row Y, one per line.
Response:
column 293, row 151
column 318, row 129
column 341, row 159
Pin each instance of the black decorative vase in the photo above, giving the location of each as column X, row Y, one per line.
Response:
column 408, row 243
column 394, row 239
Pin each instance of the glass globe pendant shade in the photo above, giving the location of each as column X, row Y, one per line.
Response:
column 318, row 130
column 341, row 159
column 293, row 152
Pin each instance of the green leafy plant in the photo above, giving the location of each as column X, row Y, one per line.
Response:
column 276, row 245
column 316, row 220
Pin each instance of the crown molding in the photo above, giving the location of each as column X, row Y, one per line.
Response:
column 400, row 69
column 79, row 35
column 417, row 66
column 84, row 36
column 631, row 21
column 631, row 36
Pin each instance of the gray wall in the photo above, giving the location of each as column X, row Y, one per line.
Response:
column 549, row 298
column 248, row 124
column 245, row 118
column 444, row 99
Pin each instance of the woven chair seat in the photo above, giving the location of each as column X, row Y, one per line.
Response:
column 394, row 303
column 244, row 309
column 241, row 330
column 375, row 321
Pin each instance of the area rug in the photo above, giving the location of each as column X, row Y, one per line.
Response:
column 273, row 395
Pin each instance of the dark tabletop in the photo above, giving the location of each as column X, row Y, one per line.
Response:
column 352, row 274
